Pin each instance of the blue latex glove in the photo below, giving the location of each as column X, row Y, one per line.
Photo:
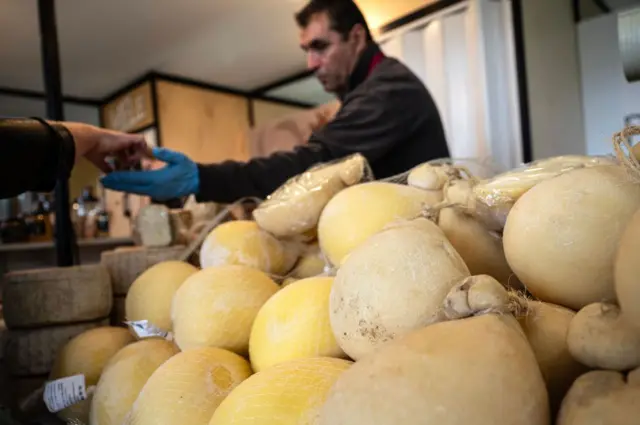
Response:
column 179, row 178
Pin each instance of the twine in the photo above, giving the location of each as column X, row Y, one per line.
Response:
column 627, row 159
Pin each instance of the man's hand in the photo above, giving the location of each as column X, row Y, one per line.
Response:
column 178, row 178
column 97, row 144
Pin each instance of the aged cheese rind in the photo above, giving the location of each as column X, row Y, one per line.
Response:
column 125, row 265
column 44, row 297
column 153, row 226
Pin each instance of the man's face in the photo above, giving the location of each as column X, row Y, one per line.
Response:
column 332, row 57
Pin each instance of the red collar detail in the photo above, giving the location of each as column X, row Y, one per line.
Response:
column 375, row 61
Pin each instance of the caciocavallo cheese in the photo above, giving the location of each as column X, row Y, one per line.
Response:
column 87, row 354
column 188, row 388
column 151, row 294
column 216, row 307
column 123, row 378
column 290, row 393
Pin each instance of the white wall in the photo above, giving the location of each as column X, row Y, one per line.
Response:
column 553, row 74
column 462, row 56
column 14, row 106
column 608, row 97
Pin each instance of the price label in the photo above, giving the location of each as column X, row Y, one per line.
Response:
column 143, row 329
column 64, row 392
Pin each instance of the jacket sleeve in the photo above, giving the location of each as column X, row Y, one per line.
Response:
column 370, row 123
column 33, row 155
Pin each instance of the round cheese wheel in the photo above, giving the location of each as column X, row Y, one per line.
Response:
column 242, row 242
column 216, row 307
column 294, row 324
column 562, row 235
column 87, row 354
column 188, row 388
column 356, row 213
column 311, row 263
column 150, row 295
column 393, row 283
column 480, row 370
column 290, row 393
column 123, row 378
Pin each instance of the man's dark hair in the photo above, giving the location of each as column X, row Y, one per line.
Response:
column 343, row 15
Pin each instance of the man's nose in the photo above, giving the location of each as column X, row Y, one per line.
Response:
column 313, row 61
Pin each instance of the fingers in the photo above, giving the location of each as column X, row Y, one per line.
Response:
column 136, row 189
column 122, row 180
column 103, row 166
column 169, row 156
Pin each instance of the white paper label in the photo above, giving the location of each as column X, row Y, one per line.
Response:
column 143, row 329
column 64, row 392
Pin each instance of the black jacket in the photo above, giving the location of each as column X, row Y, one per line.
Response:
column 387, row 115
column 33, row 155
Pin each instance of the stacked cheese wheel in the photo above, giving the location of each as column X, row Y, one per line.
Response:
column 43, row 309
column 447, row 300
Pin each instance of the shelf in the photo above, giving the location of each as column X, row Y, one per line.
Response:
column 28, row 246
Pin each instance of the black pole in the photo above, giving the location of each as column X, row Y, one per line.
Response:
column 51, row 70
column 523, row 90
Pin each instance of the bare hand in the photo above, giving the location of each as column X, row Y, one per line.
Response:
column 98, row 144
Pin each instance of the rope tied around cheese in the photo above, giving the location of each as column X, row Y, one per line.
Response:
column 479, row 295
column 628, row 159
column 453, row 198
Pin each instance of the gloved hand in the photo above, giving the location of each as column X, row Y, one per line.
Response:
column 179, row 178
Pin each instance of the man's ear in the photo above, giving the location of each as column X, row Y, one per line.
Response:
column 358, row 35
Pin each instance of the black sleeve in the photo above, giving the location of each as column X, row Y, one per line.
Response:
column 229, row 181
column 370, row 123
column 33, row 155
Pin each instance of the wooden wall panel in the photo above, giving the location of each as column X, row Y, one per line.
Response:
column 205, row 125
column 130, row 112
column 265, row 111
column 288, row 130
column 378, row 13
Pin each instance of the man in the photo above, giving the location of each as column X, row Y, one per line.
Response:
column 386, row 114
column 34, row 153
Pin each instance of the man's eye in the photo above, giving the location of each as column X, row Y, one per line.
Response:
column 320, row 49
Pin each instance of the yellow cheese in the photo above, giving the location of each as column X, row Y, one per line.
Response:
column 150, row 296
column 242, row 242
column 311, row 263
column 87, row 354
column 294, row 324
column 359, row 211
column 123, row 378
column 187, row 388
column 290, row 393
column 216, row 307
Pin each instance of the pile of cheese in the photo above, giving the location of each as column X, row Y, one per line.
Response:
column 444, row 299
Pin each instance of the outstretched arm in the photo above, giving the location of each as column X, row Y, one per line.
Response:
column 35, row 153
column 370, row 124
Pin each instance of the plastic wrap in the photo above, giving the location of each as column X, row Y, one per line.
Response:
column 143, row 329
column 491, row 200
column 295, row 207
column 436, row 173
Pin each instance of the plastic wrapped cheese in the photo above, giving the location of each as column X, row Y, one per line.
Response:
column 294, row 324
column 188, row 388
column 290, row 393
column 491, row 200
column 123, row 378
column 87, row 354
column 295, row 207
column 216, row 307
column 150, row 295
